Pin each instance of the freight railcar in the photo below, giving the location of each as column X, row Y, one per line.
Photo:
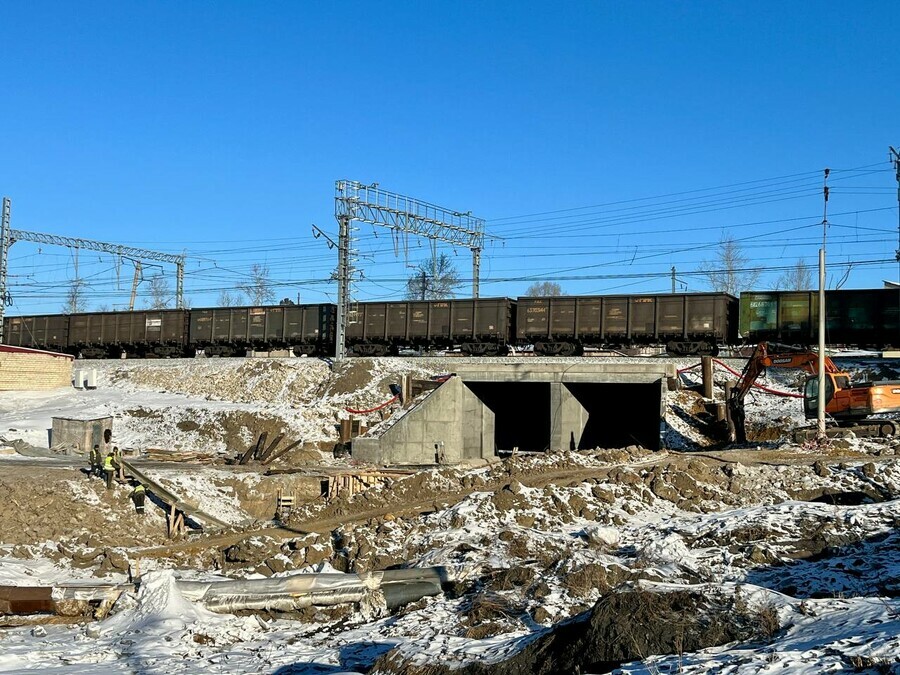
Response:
column 858, row 317
column 48, row 331
column 477, row 327
column 98, row 335
column 686, row 323
column 227, row 331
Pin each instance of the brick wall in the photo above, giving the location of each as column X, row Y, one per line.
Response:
column 24, row 371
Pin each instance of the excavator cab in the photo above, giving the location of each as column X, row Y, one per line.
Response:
column 811, row 394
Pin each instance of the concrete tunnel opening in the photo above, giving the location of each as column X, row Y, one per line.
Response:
column 521, row 413
column 619, row 414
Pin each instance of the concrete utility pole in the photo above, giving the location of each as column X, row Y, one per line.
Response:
column 673, row 278
column 820, row 411
column 895, row 158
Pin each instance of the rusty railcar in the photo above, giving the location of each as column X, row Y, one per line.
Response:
column 226, row 331
column 685, row 323
column 477, row 327
column 47, row 331
column 154, row 332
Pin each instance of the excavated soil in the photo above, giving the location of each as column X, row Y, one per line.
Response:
column 623, row 626
column 49, row 504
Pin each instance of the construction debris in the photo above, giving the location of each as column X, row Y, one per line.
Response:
column 350, row 483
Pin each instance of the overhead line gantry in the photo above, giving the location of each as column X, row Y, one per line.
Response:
column 8, row 237
column 370, row 204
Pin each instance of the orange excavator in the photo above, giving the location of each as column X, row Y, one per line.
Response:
column 846, row 403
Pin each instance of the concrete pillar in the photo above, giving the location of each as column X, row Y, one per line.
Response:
column 567, row 418
column 477, row 421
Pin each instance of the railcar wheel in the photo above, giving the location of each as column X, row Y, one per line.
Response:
column 887, row 429
column 566, row 349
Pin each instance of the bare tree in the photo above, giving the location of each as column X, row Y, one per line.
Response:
column 160, row 296
column 544, row 289
column 797, row 278
column 728, row 272
column 434, row 279
column 259, row 289
column 227, row 298
column 75, row 297
column 102, row 308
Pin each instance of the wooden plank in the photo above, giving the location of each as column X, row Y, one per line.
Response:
column 280, row 453
column 260, row 444
column 268, row 451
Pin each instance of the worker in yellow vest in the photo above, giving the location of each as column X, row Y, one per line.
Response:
column 117, row 460
column 109, row 469
column 138, row 495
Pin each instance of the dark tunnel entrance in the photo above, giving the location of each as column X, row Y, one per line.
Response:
column 521, row 413
column 619, row 414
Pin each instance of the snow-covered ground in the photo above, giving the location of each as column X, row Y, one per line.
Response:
column 522, row 558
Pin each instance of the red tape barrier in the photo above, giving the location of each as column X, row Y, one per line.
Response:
column 375, row 409
column 774, row 392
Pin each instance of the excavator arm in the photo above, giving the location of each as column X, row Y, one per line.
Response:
column 768, row 355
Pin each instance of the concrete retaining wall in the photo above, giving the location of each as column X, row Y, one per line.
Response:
column 450, row 426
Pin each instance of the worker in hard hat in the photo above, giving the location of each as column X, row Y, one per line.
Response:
column 138, row 495
column 96, row 461
column 109, row 468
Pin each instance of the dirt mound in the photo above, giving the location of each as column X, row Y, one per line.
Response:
column 53, row 505
column 237, row 380
column 621, row 627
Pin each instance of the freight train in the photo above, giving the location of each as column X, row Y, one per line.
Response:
column 685, row 323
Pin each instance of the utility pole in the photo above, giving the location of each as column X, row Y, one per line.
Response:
column 424, row 282
column 134, row 284
column 4, row 250
column 476, row 270
column 673, row 278
column 820, row 411
column 895, row 158
column 344, row 271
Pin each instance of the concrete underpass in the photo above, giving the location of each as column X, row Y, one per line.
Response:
column 619, row 414
column 490, row 407
column 521, row 413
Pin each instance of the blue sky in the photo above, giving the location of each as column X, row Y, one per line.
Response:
column 219, row 129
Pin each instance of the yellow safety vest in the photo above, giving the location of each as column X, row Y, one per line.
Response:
column 108, row 463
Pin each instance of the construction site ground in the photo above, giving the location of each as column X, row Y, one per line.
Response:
column 798, row 543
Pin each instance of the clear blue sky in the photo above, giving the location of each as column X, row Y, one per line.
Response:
column 219, row 128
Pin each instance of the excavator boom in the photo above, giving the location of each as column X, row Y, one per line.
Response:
column 843, row 401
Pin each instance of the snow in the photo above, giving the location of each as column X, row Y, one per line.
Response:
column 831, row 571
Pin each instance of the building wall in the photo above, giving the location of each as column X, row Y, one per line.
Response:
column 26, row 371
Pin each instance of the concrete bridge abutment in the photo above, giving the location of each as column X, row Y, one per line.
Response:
column 488, row 408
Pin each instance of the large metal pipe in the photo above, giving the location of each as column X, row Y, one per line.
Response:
column 397, row 588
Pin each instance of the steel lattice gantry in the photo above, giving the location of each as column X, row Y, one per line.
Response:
column 9, row 236
column 370, row 204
